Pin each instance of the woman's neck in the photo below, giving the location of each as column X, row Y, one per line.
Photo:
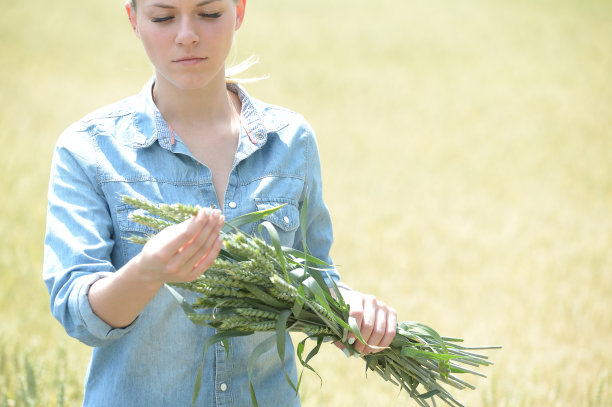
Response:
column 180, row 107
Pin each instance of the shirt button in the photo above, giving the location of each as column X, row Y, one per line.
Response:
column 286, row 219
column 233, row 205
column 223, row 387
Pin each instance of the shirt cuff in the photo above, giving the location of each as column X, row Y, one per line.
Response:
column 340, row 284
column 93, row 323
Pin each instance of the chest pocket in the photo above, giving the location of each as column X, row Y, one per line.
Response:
column 286, row 220
column 128, row 229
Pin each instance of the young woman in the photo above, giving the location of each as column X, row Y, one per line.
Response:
column 194, row 137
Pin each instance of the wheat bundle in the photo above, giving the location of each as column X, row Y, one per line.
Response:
column 255, row 286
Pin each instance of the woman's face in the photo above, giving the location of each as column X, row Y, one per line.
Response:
column 187, row 40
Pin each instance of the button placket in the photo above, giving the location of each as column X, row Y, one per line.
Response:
column 222, row 377
column 230, row 191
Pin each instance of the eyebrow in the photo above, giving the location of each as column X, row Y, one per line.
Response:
column 162, row 5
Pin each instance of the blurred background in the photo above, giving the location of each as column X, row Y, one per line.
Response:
column 467, row 161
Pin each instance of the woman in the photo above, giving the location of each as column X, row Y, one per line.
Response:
column 193, row 137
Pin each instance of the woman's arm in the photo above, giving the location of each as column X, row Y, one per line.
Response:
column 376, row 321
column 89, row 297
column 178, row 253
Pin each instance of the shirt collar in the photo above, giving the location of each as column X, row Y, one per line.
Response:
column 151, row 126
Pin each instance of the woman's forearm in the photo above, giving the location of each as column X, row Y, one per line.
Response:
column 119, row 298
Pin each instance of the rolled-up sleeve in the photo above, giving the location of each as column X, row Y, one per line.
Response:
column 79, row 238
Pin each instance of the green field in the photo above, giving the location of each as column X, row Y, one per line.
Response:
column 467, row 158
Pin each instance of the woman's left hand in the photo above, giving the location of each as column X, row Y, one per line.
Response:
column 376, row 320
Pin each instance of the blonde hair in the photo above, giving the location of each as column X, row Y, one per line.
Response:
column 234, row 70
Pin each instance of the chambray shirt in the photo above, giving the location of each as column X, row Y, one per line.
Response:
column 127, row 149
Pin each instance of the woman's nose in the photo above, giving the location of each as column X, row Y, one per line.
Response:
column 187, row 34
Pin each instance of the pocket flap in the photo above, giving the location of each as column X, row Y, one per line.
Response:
column 286, row 218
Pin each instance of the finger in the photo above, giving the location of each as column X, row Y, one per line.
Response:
column 380, row 333
column 204, row 239
column 186, row 256
column 339, row 345
column 343, row 348
column 355, row 312
column 206, row 249
column 184, row 232
column 391, row 328
column 380, row 328
column 356, row 309
column 162, row 249
column 205, row 222
column 207, row 261
column 367, row 325
column 215, row 234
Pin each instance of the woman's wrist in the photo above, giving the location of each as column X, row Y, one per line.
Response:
column 135, row 273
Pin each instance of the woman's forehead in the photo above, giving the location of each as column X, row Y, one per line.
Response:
column 177, row 3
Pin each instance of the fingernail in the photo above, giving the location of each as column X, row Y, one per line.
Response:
column 346, row 352
column 351, row 340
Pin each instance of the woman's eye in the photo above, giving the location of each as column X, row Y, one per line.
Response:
column 161, row 19
column 210, row 15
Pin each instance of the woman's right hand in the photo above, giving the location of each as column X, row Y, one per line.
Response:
column 182, row 252
column 178, row 253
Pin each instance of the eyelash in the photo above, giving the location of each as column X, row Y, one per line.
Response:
column 211, row 15
column 161, row 19
column 164, row 19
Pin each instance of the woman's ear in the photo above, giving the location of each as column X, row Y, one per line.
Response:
column 131, row 12
column 240, row 6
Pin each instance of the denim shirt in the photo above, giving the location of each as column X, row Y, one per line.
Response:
column 127, row 149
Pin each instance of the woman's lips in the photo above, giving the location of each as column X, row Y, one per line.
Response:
column 188, row 61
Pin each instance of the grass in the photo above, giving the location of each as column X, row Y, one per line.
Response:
column 470, row 139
